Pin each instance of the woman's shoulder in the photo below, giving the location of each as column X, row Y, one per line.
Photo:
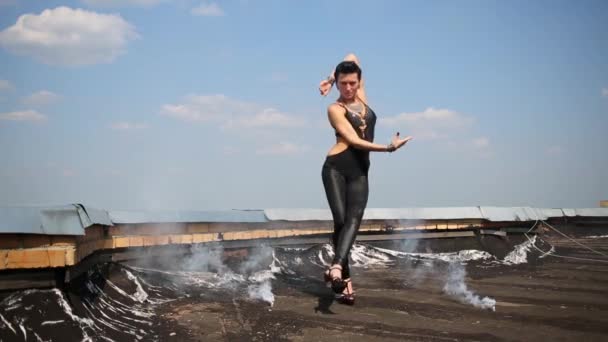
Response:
column 336, row 107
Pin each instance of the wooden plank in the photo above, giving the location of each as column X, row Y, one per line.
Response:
column 175, row 239
column 230, row 227
column 63, row 240
column 162, row 240
column 100, row 244
column 108, row 243
column 149, row 240
column 137, row 253
column 10, row 241
column 56, row 257
column 186, row 239
column 136, row 241
column 94, row 232
column 70, row 256
column 35, row 241
column 197, row 228
column 35, row 258
column 114, row 230
column 3, row 258
column 19, row 258
column 121, row 241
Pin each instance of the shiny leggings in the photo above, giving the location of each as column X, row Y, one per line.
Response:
column 347, row 192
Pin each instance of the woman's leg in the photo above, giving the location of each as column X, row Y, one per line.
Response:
column 357, row 192
column 335, row 190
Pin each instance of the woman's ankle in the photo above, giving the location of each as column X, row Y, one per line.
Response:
column 349, row 287
column 335, row 271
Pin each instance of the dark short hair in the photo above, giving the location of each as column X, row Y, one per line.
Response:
column 347, row 67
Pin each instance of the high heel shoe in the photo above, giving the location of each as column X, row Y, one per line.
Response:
column 337, row 284
column 347, row 298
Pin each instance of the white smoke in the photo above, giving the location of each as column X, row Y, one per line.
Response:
column 456, row 288
column 205, row 259
column 257, row 259
column 204, row 266
column 262, row 291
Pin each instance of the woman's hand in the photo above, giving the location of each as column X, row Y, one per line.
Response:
column 398, row 142
column 325, row 87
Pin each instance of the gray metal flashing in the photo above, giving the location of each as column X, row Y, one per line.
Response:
column 551, row 212
column 73, row 219
column 586, row 212
column 59, row 220
column 447, row 213
column 439, row 213
column 133, row 217
column 517, row 214
column 90, row 216
column 280, row 214
column 69, row 219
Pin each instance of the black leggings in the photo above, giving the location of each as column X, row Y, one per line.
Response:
column 346, row 187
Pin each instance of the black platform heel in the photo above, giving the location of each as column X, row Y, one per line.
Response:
column 337, row 284
column 347, row 298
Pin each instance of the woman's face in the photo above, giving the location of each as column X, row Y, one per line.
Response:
column 347, row 85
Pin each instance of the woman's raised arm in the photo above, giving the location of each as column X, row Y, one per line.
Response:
column 326, row 84
column 361, row 91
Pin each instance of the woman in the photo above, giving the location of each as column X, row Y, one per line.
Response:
column 346, row 167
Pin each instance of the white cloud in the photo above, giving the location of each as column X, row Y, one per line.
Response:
column 431, row 123
column 283, row 148
column 482, row 147
column 126, row 126
column 605, row 92
column 208, row 10
column 65, row 36
column 555, row 150
column 41, row 98
column 6, row 85
column 203, row 108
column 123, row 3
column 68, row 173
column 268, row 117
column 25, row 115
column 481, row 142
column 228, row 112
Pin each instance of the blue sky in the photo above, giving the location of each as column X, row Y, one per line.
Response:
column 152, row 104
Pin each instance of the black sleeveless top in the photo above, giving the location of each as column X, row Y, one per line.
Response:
column 355, row 161
column 356, row 121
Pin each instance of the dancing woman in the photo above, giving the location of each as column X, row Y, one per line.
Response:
column 346, row 167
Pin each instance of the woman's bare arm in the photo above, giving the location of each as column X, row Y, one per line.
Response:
column 338, row 121
column 326, row 84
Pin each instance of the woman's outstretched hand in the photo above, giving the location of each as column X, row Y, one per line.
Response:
column 325, row 87
column 398, row 142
